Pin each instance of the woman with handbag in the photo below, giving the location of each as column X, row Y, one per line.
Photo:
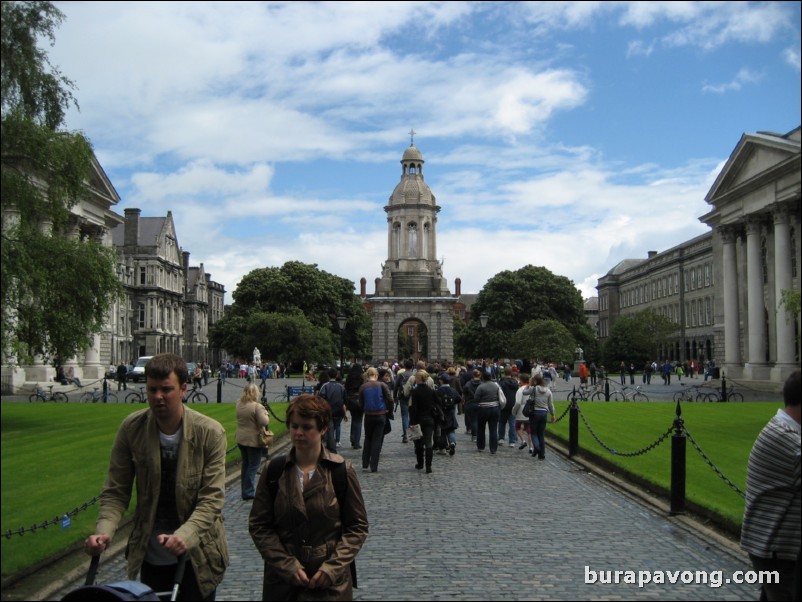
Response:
column 422, row 413
column 308, row 520
column 252, row 421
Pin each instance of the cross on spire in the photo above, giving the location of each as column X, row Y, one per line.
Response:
column 412, row 137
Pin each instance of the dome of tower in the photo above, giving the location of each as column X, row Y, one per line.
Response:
column 412, row 154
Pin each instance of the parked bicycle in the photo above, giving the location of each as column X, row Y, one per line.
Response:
column 42, row 395
column 587, row 393
column 196, row 396
column 629, row 394
column 693, row 393
column 732, row 395
column 137, row 396
column 98, row 395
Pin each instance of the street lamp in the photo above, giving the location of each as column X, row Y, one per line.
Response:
column 483, row 323
column 341, row 322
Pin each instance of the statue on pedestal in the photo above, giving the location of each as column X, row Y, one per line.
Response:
column 257, row 356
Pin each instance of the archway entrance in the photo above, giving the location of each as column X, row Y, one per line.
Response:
column 413, row 339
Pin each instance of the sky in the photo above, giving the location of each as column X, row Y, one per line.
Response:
column 570, row 135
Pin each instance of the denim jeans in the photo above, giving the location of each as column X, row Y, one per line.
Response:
column 251, row 458
column 404, row 415
column 471, row 418
column 507, row 420
column 356, row 427
column 538, row 422
column 487, row 417
column 374, row 438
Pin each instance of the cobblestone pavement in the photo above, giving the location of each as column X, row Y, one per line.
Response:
column 499, row 527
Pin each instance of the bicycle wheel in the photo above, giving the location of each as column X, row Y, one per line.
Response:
column 735, row 396
column 110, row 397
column 87, row 397
column 37, row 397
column 133, row 397
column 640, row 397
column 597, row 396
column 712, row 397
column 200, row 397
column 60, row 397
column 616, row 396
column 680, row 396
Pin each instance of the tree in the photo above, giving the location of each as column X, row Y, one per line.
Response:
column 792, row 301
column 300, row 293
column 547, row 340
column 637, row 337
column 510, row 299
column 56, row 290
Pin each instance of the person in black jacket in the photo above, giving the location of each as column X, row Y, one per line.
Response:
column 449, row 399
column 422, row 412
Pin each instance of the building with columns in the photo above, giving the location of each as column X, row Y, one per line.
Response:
column 412, row 308
column 723, row 288
column 755, row 217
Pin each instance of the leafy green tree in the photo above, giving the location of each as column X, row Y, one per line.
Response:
column 512, row 298
column 56, row 289
column 301, row 292
column 547, row 340
column 791, row 301
column 637, row 337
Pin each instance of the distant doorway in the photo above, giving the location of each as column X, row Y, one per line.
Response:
column 413, row 340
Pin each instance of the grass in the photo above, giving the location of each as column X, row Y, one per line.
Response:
column 55, row 458
column 725, row 432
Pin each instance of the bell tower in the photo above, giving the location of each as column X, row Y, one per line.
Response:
column 412, row 288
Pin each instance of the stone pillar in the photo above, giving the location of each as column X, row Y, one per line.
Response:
column 732, row 335
column 754, row 295
column 784, row 324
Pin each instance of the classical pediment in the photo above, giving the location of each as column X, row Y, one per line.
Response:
column 754, row 159
column 100, row 185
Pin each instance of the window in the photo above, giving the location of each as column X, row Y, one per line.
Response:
column 411, row 331
column 707, row 274
column 141, row 311
column 793, row 252
column 676, row 284
column 708, row 316
column 142, row 273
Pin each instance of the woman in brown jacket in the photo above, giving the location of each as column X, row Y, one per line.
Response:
column 307, row 539
column 252, row 417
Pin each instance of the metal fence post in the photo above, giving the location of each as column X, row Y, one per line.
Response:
column 606, row 389
column 678, row 442
column 723, row 388
column 219, row 390
column 105, row 390
column 573, row 429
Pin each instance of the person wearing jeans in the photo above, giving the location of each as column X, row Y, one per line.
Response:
column 488, row 399
column 543, row 407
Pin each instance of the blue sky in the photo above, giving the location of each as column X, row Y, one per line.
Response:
column 565, row 134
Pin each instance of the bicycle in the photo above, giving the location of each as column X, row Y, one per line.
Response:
column 43, row 396
column 587, row 393
column 196, row 396
column 629, row 394
column 732, row 395
column 693, row 393
column 98, row 395
column 137, row 396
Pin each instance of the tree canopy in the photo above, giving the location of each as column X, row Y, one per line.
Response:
column 56, row 289
column 510, row 299
column 548, row 340
column 290, row 313
column 637, row 337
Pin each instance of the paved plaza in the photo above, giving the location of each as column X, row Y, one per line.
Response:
column 498, row 527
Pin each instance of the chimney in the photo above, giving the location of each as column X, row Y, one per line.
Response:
column 363, row 283
column 458, row 287
column 652, row 254
column 132, row 227
column 376, row 286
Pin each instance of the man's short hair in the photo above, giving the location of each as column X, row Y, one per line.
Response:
column 792, row 390
column 161, row 366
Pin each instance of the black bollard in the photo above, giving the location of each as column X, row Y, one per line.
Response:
column 606, row 389
column 723, row 388
column 678, row 442
column 105, row 389
column 573, row 429
column 219, row 390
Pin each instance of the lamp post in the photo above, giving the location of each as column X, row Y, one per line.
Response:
column 483, row 323
column 341, row 322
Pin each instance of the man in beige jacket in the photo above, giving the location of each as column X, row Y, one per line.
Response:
column 176, row 456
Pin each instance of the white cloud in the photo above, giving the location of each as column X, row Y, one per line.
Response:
column 744, row 76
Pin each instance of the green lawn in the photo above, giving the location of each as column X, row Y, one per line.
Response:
column 55, row 458
column 725, row 432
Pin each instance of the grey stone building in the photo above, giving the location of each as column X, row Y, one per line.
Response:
column 412, row 307
column 723, row 288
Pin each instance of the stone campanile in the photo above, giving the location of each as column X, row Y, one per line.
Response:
column 412, row 295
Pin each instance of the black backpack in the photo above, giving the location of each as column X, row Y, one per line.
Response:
column 529, row 404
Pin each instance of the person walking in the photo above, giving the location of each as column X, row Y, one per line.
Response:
column 376, row 403
column 544, row 406
column 353, row 382
column 522, row 425
column 488, row 399
column 177, row 457
column 471, row 415
column 449, row 399
column 252, row 417
column 122, row 377
column 422, row 412
column 509, row 386
column 333, row 391
column 308, row 519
